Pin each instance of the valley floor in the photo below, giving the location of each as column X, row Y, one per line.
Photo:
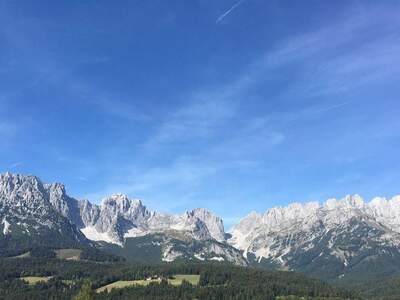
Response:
column 54, row 278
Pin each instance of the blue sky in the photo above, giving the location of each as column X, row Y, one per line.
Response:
column 230, row 105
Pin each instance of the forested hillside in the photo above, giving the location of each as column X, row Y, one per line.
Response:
column 63, row 279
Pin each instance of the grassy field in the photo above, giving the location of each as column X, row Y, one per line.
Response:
column 176, row 280
column 124, row 283
column 69, row 254
column 34, row 279
column 23, row 255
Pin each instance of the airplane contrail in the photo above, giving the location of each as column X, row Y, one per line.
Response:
column 221, row 17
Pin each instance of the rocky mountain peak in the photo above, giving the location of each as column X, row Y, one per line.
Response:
column 348, row 202
column 33, row 209
column 339, row 231
column 116, row 218
column 120, row 205
column 287, row 235
column 121, row 202
column 58, row 198
column 22, row 190
column 10, row 183
column 213, row 223
column 57, row 189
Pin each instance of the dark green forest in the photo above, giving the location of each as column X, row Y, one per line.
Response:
column 217, row 281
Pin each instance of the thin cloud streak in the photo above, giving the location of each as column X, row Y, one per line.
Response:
column 15, row 165
column 204, row 114
column 226, row 13
column 326, row 72
column 221, row 105
column 208, row 111
column 336, row 106
column 82, row 178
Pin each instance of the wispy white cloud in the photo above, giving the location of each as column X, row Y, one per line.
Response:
column 48, row 70
column 332, row 107
column 331, row 60
column 183, row 174
column 341, row 72
column 249, row 144
column 349, row 178
column 103, row 101
column 186, row 174
column 207, row 113
column 229, row 11
column 197, row 120
column 7, row 130
column 184, row 171
column 15, row 165
column 116, row 108
column 82, row 178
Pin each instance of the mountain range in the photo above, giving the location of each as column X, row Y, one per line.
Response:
column 338, row 240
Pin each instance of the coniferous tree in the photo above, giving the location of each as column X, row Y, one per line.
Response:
column 86, row 292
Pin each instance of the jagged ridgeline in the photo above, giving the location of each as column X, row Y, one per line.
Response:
column 34, row 214
column 29, row 220
column 340, row 240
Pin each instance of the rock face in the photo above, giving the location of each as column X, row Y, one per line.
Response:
column 341, row 235
column 119, row 217
column 29, row 217
column 333, row 240
column 113, row 221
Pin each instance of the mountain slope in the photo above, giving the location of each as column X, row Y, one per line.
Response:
column 139, row 235
column 338, row 240
column 119, row 217
column 174, row 246
column 36, row 214
column 29, row 220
